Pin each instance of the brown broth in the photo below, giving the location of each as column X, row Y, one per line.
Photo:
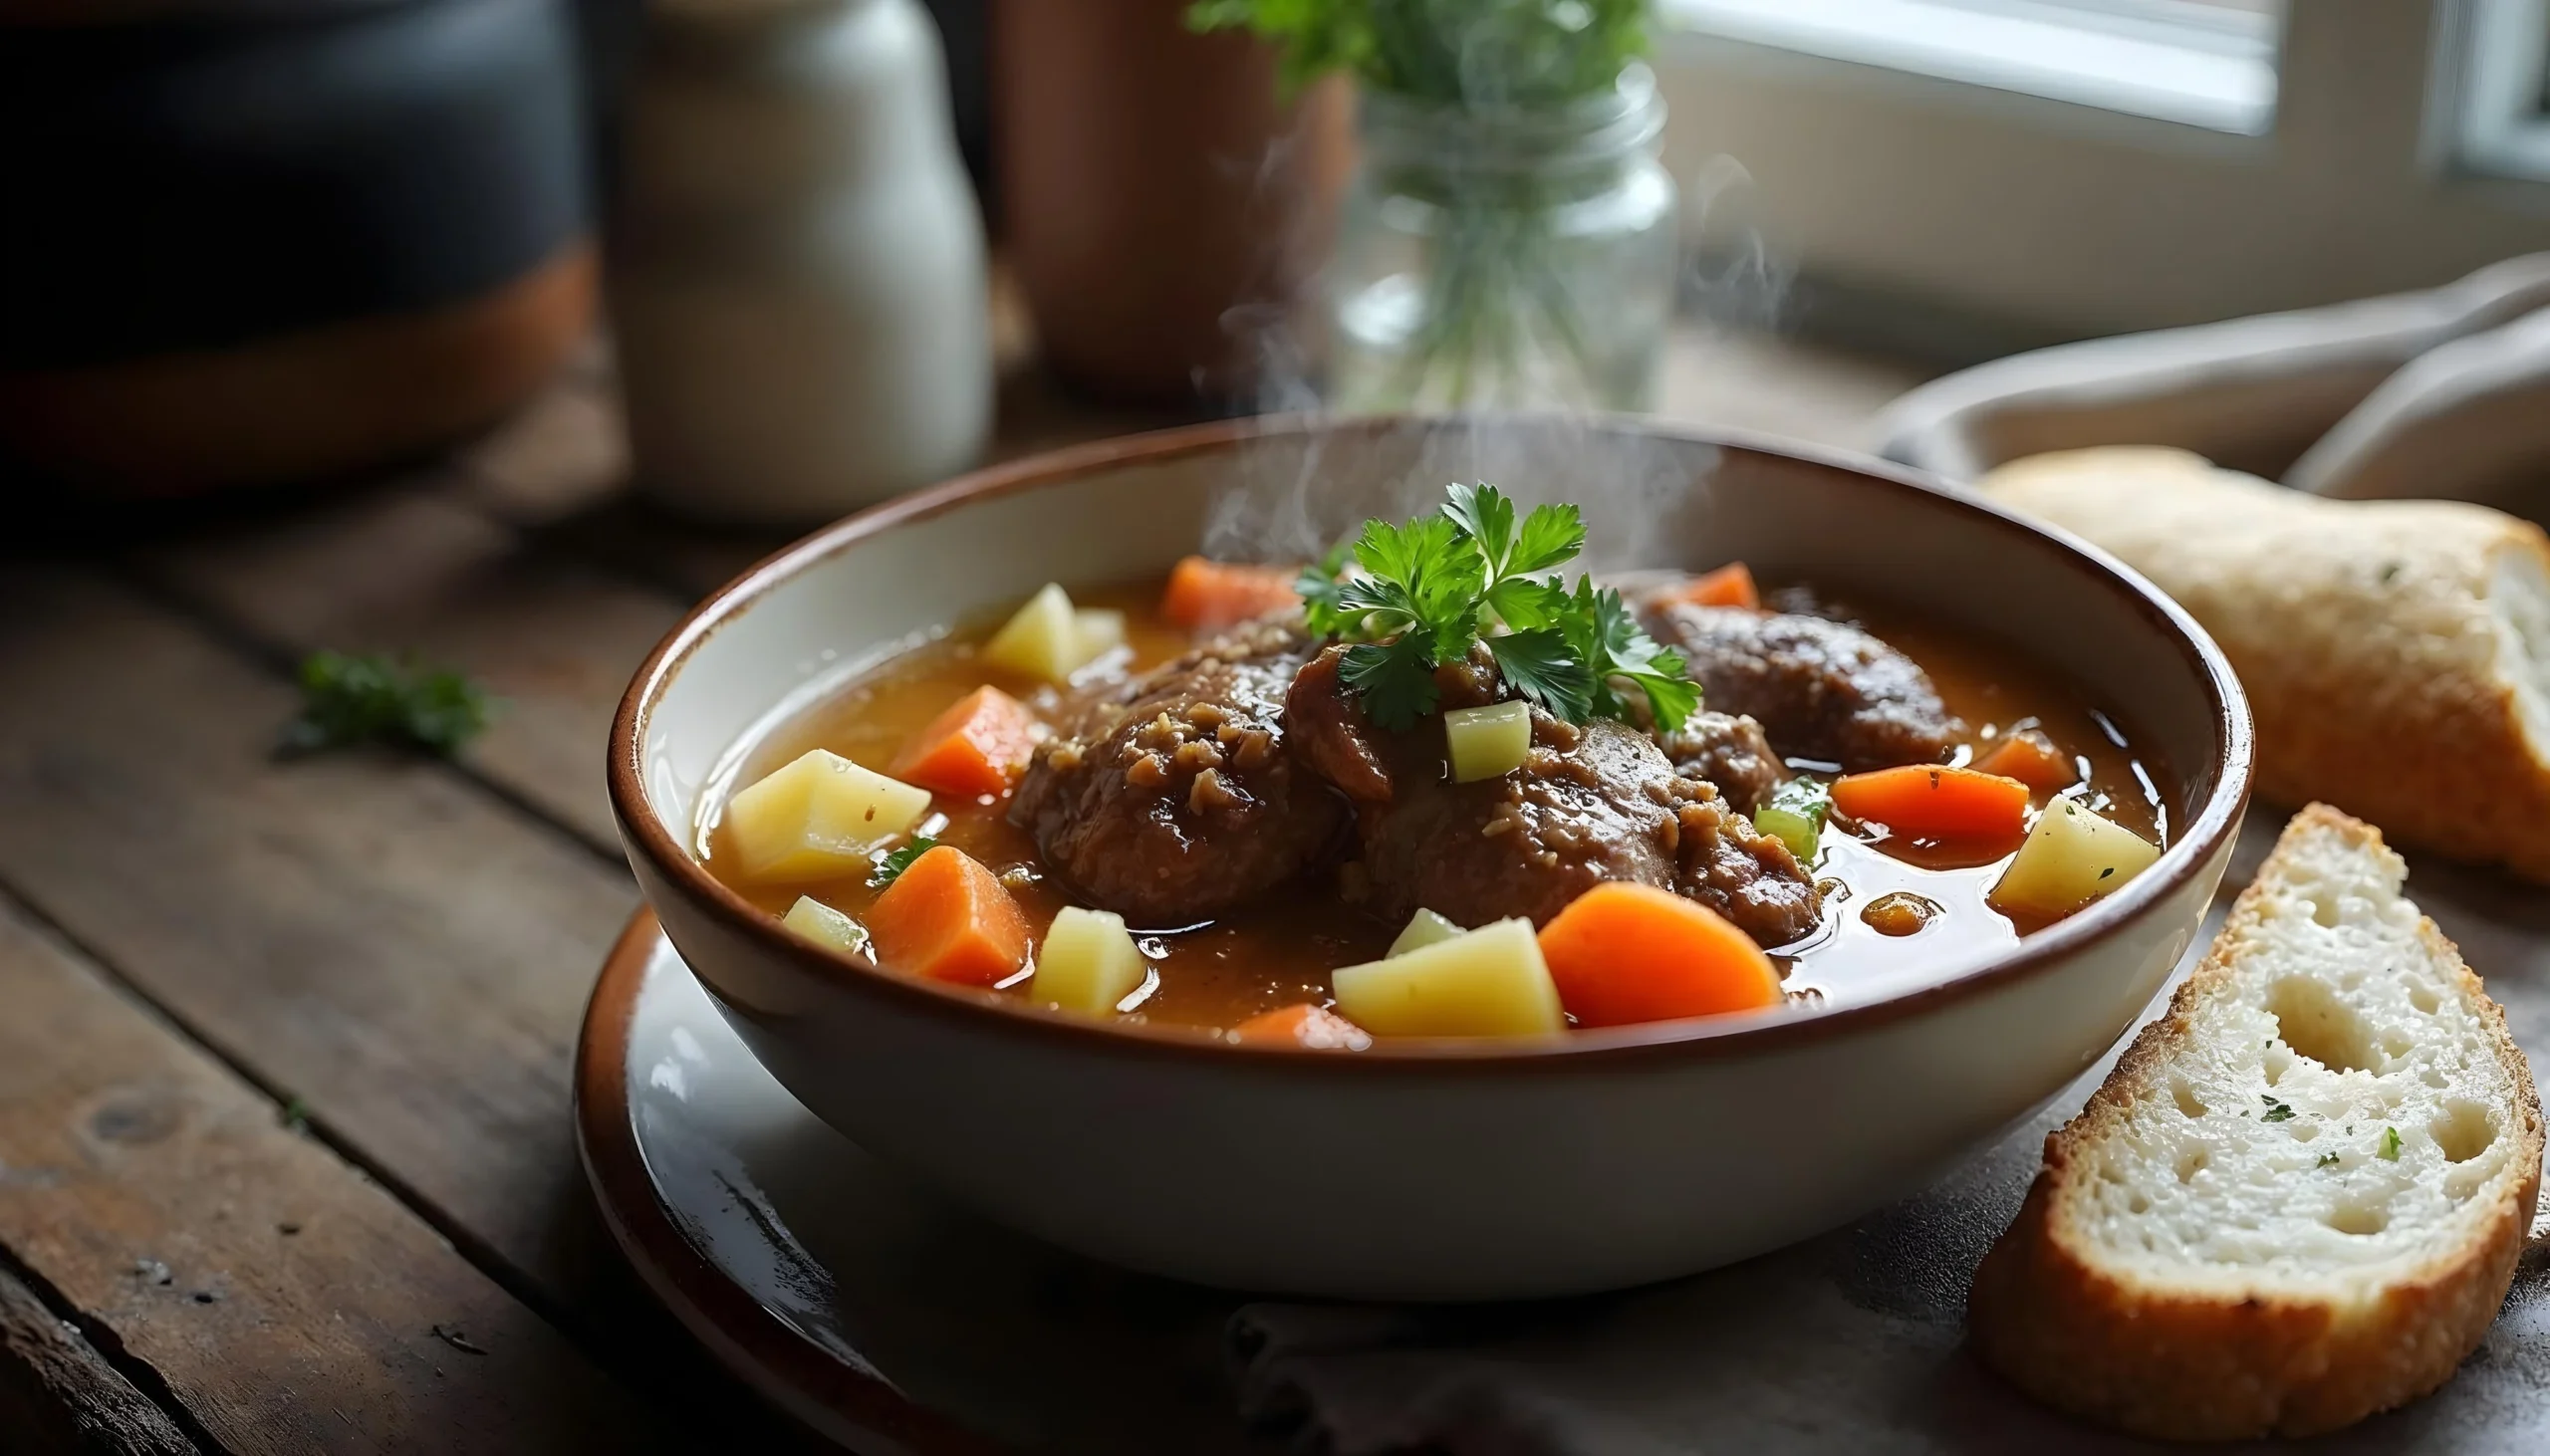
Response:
column 1280, row 949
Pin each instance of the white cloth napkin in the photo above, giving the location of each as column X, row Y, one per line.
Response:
column 1847, row 1342
column 1850, row 1342
column 1853, row 1341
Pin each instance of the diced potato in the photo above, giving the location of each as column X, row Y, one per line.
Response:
column 1089, row 962
column 2071, row 858
column 1101, row 630
column 1049, row 640
column 1489, row 742
column 1488, row 982
column 819, row 818
column 824, row 926
column 1424, row 929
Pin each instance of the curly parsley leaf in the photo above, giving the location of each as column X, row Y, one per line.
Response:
column 892, row 867
column 1538, row 664
column 1422, row 555
column 1489, row 517
column 1396, row 679
column 1319, row 585
column 1524, row 603
column 1551, row 534
column 349, row 700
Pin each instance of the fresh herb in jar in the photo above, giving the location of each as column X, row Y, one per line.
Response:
column 1528, row 53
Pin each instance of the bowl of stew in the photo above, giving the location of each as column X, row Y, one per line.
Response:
column 1430, row 859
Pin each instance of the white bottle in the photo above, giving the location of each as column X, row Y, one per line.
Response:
column 796, row 261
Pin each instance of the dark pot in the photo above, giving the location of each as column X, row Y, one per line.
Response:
column 1162, row 208
column 282, row 239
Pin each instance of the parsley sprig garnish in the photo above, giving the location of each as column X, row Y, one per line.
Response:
column 892, row 867
column 1423, row 594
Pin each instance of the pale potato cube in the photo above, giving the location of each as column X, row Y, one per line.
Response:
column 819, row 818
column 1101, row 630
column 1047, row 639
column 1488, row 982
column 824, row 926
column 1489, row 742
column 2071, row 858
column 1424, row 929
column 1088, row 963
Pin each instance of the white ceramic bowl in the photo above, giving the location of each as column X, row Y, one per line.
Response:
column 1426, row 1169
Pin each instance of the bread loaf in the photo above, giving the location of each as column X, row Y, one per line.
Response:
column 2396, row 653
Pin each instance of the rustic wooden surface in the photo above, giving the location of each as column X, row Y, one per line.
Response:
column 285, row 1160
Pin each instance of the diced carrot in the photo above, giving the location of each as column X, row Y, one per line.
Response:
column 947, row 919
column 1729, row 586
column 1623, row 952
column 980, row 745
column 1302, row 1024
column 2030, row 757
column 1212, row 593
column 1936, row 801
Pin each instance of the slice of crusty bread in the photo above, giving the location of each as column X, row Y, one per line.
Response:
column 2228, row 1242
column 2396, row 653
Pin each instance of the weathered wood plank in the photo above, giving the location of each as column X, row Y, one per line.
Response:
column 413, row 570
column 59, row 1396
column 559, row 456
column 377, row 937
column 288, row 1303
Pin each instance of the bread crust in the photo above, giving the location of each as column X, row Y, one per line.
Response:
column 2359, row 629
column 2186, row 1364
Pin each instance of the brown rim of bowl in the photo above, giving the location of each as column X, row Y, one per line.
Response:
column 2207, row 833
column 615, row 1165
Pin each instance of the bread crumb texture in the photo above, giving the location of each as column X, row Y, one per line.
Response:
column 2327, row 1119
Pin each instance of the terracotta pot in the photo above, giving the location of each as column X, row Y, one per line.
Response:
column 272, row 240
column 1163, row 209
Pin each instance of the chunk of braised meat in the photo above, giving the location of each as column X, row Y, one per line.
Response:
column 1821, row 689
column 1741, row 873
column 1591, row 803
column 1172, row 797
column 1728, row 752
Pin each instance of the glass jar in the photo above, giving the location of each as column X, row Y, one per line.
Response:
column 1504, row 257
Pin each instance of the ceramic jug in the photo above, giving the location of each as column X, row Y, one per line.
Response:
column 795, row 261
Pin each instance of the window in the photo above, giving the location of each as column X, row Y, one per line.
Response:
column 2493, row 69
column 2206, row 63
column 1963, row 177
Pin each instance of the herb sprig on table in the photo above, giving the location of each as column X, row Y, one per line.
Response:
column 1423, row 594
column 349, row 700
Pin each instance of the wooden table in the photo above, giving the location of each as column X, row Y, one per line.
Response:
column 285, row 1157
